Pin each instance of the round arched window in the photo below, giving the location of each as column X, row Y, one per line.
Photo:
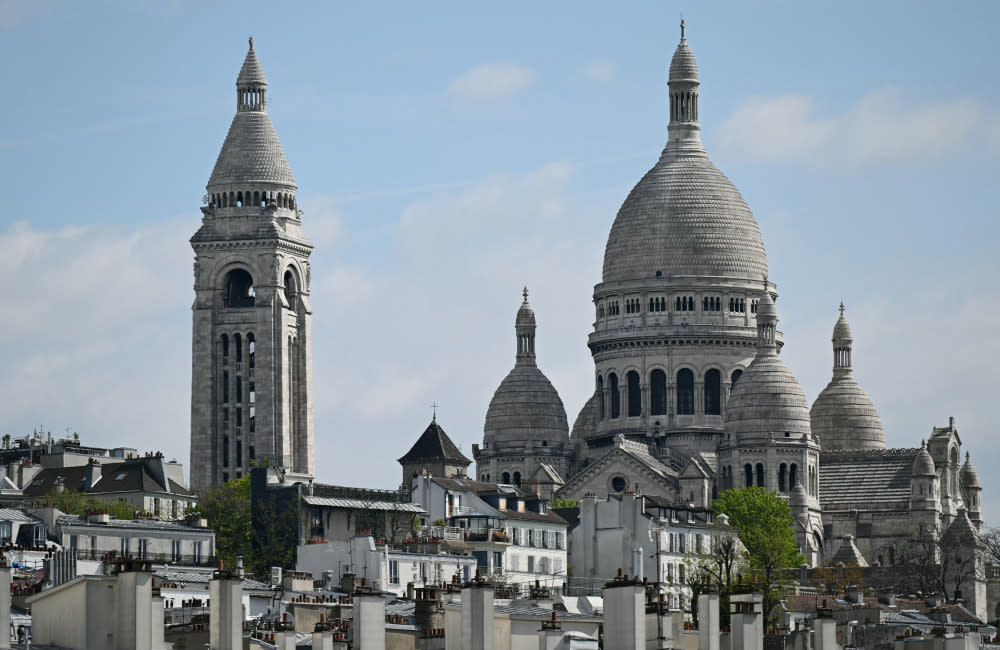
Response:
column 291, row 289
column 618, row 484
column 239, row 289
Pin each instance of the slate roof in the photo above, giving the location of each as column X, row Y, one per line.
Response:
column 529, row 515
column 204, row 578
column 251, row 73
column 132, row 524
column 361, row 504
column 251, row 153
column 128, row 476
column 434, row 443
column 570, row 515
column 850, row 477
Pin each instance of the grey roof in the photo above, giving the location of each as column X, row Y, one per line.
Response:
column 849, row 554
column 525, row 610
column 586, row 420
column 851, row 477
column 132, row 524
column 970, row 478
column 434, row 444
column 251, row 153
column 843, row 416
column 362, row 504
column 683, row 66
column 526, row 407
column 128, row 476
column 923, row 464
column 251, row 74
column 10, row 514
column 767, row 399
column 204, row 578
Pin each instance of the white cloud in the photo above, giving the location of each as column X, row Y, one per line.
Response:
column 492, row 81
column 881, row 127
column 602, row 71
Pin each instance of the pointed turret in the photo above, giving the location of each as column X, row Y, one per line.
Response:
column 973, row 492
column 524, row 328
column 683, row 82
column 924, row 482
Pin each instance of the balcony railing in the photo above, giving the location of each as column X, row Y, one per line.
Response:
column 181, row 559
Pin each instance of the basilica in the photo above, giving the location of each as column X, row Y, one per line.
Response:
column 691, row 396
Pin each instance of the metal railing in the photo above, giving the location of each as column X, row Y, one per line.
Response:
column 155, row 558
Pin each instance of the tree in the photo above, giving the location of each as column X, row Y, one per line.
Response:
column 564, row 503
column 716, row 569
column 74, row 502
column 764, row 522
column 227, row 509
column 940, row 562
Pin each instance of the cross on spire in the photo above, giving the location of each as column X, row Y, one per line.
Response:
column 434, row 412
column 841, row 307
column 525, row 293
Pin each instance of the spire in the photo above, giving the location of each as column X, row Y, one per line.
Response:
column 767, row 321
column 251, row 84
column 842, row 345
column 524, row 328
column 683, row 83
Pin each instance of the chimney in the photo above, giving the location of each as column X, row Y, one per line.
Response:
column 551, row 634
column 624, row 614
column 477, row 615
column 746, row 621
column 323, row 640
column 284, row 640
column 225, row 612
column 369, row 619
column 157, row 620
column 91, row 475
column 825, row 634
column 708, row 622
column 135, row 608
column 4, row 604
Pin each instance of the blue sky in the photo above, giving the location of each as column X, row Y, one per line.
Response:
column 449, row 153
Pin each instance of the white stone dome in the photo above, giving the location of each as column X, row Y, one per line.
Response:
column 767, row 400
column 969, row 475
column 923, row 464
column 843, row 417
column 525, row 407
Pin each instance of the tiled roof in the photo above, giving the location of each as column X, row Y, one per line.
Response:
column 251, row 153
column 434, row 443
column 528, row 515
column 251, row 73
column 854, row 476
column 128, row 476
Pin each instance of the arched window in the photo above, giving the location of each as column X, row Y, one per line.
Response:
column 225, row 450
column 600, row 398
column 760, row 475
column 291, row 289
column 506, row 478
column 225, row 349
column 517, row 478
column 238, row 345
column 782, row 474
column 734, row 377
column 658, row 392
column 678, row 305
column 251, row 352
column 747, row 475
column 256, row 198
column 634, row 394
column 685, row 392
column 239, row 289
column 225, row 386
column 616, row 398
column 713, row 392
column 793, row 475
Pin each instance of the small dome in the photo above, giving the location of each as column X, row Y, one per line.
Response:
column 842, row 330
column 683, row 67
column 798, row 496
column 586, row 420
column 526, row 407
column 923, row 464
column 766, row 308
column 525, row 315
column 767, row 400
column 969, row 476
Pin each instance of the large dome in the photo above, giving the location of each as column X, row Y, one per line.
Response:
column 525, row 407
column 684, row 217
column 843, row 417
column 767, row 400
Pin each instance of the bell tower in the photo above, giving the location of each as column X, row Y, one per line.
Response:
column 251, row 368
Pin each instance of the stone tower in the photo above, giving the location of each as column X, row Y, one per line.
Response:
column 251, row 369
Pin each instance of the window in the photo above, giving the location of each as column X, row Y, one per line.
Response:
column 515, row 536
column 239, row 289
column 713, row 392
column 748, row 475
column 316, row 523
column 423, row 572
column 517, row 478
column 175, row 550
column 600, row 398
column 531, row 564
column 735, row 376
column 126, row 547
column 793, row 475
column 760, row 475
column 658, row 392
column 143, row 548
column 197, row 553
column 782, row 474
column 72, row 542
column 618, row 484
column 505, row 478
column 616, row 398
column 634, row 394
column 225, row 386
column 531, row 537
column 685, row 392
column 394, row 572
column 497, row 562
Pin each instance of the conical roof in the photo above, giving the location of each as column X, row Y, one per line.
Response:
column 434, row 444
column 684, row 217
column 251, row 153
column 969, row 476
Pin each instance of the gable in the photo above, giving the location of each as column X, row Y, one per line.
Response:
column 597, row 477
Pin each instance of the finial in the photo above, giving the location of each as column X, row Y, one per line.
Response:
column 923, row 443
column 251, row 42
column 966, row 456
column 682, row 28
column 434, row 412
column 525, row 293
column 841, row 307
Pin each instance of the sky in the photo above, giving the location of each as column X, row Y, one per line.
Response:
column 448, row 154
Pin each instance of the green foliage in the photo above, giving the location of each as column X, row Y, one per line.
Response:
column 564, row 503
column 79, row 503
column 439, row 522
column 764, row 521
column 227, row 509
